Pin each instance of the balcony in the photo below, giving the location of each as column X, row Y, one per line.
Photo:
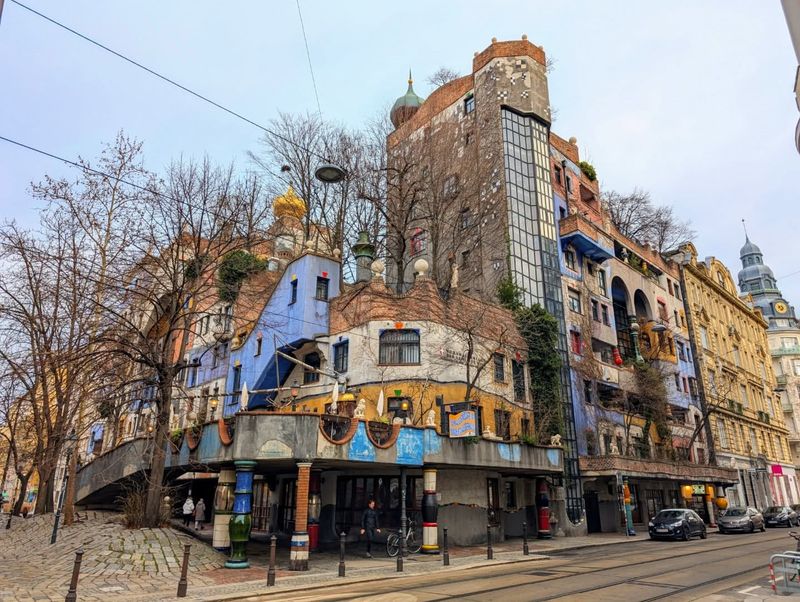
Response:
column 781, row 379
column 655, row 469
column 793, row 350
column 585, row 237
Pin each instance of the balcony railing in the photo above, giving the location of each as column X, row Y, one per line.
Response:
column 793, row 350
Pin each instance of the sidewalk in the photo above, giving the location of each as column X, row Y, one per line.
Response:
column 144, row 565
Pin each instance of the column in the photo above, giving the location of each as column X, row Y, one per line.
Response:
column 223, row 507
column 239, row 524
column 430, row 511
column 298, row 555
column 543, row 509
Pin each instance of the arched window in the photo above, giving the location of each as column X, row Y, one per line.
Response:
column 399, row 347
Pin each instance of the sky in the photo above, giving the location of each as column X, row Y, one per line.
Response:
column 691, row 101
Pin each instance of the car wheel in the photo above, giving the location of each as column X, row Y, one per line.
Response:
column 721, row 530
column 752, row 527
column 703, row 534
column 687, row 535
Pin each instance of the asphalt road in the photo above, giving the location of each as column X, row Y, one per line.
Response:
column 640, row 571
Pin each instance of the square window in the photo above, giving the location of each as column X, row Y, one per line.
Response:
column 574, row 300
column 469, row 104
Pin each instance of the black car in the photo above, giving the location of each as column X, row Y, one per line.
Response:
column 677, row 523
column 775, row 516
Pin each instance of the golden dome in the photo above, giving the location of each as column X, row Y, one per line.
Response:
column 289, row 205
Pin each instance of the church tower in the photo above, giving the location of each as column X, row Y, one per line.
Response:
column 757, row 279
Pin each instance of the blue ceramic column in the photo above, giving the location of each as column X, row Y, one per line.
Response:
column 240, row 523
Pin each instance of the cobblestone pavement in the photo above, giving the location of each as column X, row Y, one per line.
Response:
column 144, row 565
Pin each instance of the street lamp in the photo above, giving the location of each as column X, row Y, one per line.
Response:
column 69, row 445
column 295, row 391
column 330, row 174
column 213, row 403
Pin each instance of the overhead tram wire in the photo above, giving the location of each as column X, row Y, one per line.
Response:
column 308, row 54
column 176, row 84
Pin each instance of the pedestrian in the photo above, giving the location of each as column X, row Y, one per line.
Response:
column 369, row 525
column 188, row 511
column 199, row 514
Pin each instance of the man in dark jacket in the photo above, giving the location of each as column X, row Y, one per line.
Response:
column 369, row 525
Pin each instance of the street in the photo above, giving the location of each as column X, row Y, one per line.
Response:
column 641, row 571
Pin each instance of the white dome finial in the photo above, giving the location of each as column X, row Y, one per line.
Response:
column 421, row 268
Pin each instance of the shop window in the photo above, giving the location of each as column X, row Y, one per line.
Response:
column 399, row 347
column 511, row 495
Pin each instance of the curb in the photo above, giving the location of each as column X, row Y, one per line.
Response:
column 264, row 591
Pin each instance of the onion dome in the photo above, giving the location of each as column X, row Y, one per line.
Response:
column 289, row 205
column 405, row 106
column 749, row 248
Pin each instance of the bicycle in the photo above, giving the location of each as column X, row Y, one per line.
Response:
column 413, row 544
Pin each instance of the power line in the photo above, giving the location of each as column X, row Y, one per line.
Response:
column 181, row 86
column 308, row 54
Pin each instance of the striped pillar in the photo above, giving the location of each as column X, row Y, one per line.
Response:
column 298, row 555
column 430, row 511
column 223, row 508
column 239, row 524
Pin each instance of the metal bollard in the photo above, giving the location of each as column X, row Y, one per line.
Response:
column 489, row 550
column 184, row 568
column 400, row 560
column 72, row 594
column 445, row 549
column 341, row 554
column 525, row 550
column 273, row 542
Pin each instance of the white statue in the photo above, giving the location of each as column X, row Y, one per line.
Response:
column 614, row 448
column 361, row 409
column 454, row 277
column 555, row 440
column 430, row 420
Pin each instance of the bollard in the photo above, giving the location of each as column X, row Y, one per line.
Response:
column 184, row 568
column 489, row 550
column 341, row 554
column 72, row 594
column 525, row 550
column 445, row 549
column 273, row 541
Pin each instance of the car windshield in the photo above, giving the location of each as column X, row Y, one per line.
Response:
column 670, row 514
column 735, row 512
column 774, row 509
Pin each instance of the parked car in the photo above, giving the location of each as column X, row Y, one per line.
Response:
column 775, row 516
column 741, row 519
column 677, row 523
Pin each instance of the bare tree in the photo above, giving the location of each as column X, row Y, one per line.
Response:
column 637, row 217
column 442, row 76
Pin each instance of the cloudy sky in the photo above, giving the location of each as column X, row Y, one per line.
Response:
column 689, row 100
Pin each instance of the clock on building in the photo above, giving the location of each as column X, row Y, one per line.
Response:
column 781, row 307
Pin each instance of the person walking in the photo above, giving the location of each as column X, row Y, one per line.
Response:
column 369, row 525
column 188, row 511
column 199, row 514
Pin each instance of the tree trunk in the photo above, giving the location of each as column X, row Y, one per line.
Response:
column 44, row 499
column 69, row 495
column 23, row 488
column 155, row 485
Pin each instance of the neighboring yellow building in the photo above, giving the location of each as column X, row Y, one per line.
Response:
column 729, row 337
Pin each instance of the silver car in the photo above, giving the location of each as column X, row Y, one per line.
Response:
column 741, row 519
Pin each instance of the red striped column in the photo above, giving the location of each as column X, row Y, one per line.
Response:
column 430, row 511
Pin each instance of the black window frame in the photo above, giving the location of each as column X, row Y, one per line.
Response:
column 341, row 356
column 499, row 367
column 314, row 360
column 386, row 345
column 322, row 289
